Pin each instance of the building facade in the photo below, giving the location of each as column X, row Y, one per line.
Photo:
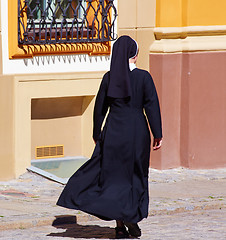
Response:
column 187, row 59
column 48, row 86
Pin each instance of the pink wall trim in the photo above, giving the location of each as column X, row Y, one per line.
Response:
column 192, row 94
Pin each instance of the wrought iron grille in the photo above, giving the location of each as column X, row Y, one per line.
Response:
column 66, row 21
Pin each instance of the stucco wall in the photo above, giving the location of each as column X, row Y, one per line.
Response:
column 74, row 76
column 137, row 19
column 19, row 134
column 193, row 102
column 180, row 13
column 187, row 62
column 45, row 64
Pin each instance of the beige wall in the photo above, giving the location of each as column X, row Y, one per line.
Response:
column 7, row 128
column 57, row 131
column 26, row 99
column 1, row 54
column 0, row 43
column 58, row 121
column 137, row 19
column 20, row 134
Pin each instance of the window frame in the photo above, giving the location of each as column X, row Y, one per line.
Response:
column 30, row 50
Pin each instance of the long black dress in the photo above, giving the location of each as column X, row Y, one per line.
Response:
column 113, row 184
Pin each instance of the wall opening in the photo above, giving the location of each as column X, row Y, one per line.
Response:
column 58, row 122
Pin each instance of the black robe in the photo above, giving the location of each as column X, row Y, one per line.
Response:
column 113, row 184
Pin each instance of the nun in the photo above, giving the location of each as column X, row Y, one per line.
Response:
column 113, row 184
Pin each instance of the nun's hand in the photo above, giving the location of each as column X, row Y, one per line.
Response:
column 157, row 143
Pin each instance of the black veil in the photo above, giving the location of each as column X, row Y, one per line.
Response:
column 123, row 49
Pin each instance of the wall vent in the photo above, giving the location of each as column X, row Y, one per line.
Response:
column 49, row 151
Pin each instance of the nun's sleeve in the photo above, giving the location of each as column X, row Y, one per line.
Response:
column 101, row 107
column 151, row 107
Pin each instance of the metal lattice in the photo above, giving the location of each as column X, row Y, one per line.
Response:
column 66, row 21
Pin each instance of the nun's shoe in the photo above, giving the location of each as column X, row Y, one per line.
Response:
column 121, row 232
column 133, row 229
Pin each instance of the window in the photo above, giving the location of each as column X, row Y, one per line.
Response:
column 51, row 22
column 37, row 8
column 65, row 21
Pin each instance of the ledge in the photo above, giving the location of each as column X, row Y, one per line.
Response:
column 189, row 39
column 29, row 51
column 183, row 32
column 58, row 76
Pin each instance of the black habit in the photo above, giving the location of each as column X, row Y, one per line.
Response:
column 113, row 184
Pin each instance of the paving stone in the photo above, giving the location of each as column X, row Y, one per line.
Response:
column 175, row 193
column 197, row 225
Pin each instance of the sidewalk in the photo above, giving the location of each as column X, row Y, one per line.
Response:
column 29, row 201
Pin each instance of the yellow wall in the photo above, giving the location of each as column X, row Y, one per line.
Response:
column 168, row 13
column 136, row 18
column 180, row 13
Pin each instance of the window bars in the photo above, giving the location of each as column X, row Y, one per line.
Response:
column 66, row 21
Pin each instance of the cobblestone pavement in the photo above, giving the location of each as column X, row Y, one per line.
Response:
column 210, row 225
column 184, row 204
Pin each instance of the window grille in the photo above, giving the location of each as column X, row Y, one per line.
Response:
column 66, row 21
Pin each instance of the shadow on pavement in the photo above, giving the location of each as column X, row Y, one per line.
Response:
column 74, row 230
column 84, row 231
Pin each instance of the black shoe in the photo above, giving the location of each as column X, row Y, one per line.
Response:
column 121, row 232
column 133, row 229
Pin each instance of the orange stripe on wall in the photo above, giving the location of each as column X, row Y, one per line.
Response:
column 179, row 13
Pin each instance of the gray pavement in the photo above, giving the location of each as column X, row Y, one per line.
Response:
column 195, row 225
column 184, row 204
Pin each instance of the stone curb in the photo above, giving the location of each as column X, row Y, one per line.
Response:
column 186, row 209
column 43, row 221
column 66, row 219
